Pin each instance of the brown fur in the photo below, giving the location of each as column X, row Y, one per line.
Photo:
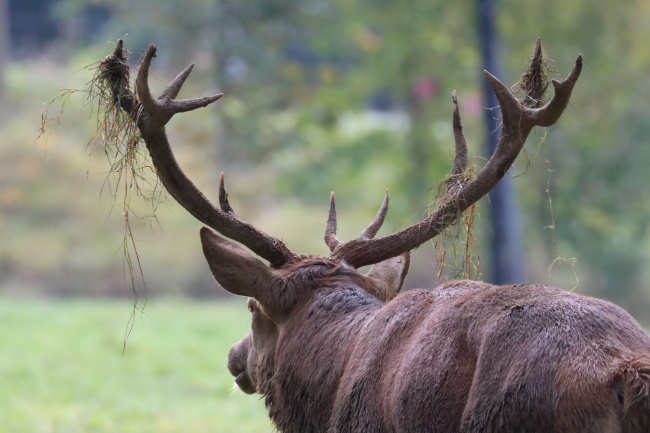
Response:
column 463, row 357
column 332, row 350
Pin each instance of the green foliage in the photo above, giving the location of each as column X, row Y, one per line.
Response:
column 299, row 78
column 67, row 373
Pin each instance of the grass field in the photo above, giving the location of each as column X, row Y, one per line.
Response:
column 62, row 368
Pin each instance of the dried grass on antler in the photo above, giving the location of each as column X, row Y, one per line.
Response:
column 109, row 94
column 457, row 238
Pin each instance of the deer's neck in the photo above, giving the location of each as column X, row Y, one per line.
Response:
column 312, row 354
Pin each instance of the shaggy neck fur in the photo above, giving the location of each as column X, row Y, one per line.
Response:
column 314, row 346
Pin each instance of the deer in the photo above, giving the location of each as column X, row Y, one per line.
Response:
column 332, row 349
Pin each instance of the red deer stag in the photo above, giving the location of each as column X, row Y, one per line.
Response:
column 334, row 350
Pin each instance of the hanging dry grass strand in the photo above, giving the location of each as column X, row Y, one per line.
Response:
column 531, row 89
column 110, row 94
column 457, row 238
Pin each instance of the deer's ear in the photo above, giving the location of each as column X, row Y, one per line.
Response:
column 389, row 275
column 238, row 270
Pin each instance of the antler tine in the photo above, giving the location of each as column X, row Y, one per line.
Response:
column 457, row 178
column 175, row 86
column 518, row 121
column 551, row 112
column 538, row 48
column 142, row 83
column 119, row 48
column 330, row 231
column 151, row 120
column 223, row 195
column 117, row 68
column 157, row 112
column 460, row 158
column 371, row 231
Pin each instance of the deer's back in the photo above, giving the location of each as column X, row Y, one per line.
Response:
column 470, row 353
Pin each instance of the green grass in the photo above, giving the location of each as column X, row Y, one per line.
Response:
column 62, row 368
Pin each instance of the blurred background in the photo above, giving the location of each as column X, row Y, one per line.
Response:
column 348, row 96
column 351, row 97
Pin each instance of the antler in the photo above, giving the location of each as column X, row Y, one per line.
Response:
column 518, row 121
column 330, row 232
column 151, row 116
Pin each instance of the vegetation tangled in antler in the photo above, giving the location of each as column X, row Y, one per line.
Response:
column 534, row 82
column 111, row 97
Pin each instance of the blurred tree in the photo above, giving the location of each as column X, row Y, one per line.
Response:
column 31, row 25
column 416, row 70
column 5, row 54
column 506, row 253
column 313, row 82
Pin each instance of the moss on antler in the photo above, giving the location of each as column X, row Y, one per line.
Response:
column 533, row 84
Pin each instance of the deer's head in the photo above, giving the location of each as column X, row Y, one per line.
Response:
column 277, row 294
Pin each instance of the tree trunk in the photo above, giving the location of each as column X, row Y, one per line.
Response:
column 5, row 54
column 507, row 261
